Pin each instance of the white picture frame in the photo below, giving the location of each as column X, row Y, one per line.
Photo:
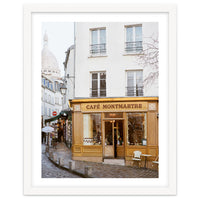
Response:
column 32, row 189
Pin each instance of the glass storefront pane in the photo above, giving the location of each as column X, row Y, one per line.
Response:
column 92, row 129
column 118, row 129
column 108, row 133
column 136, row 128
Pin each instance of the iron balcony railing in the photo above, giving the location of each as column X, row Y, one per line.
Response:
column 134, row 91
column 133, row 46
column 98, row 48
column 97, row 92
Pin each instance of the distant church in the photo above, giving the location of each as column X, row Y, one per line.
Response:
column 49, row 62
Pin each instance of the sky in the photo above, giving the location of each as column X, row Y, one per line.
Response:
column 60, row 38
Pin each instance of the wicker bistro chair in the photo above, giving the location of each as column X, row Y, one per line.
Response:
column 136, row 157
column 156, row 162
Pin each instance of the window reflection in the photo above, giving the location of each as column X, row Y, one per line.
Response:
column 136, row 128
column 118, row 127
column 108, row 133
column 92, row 129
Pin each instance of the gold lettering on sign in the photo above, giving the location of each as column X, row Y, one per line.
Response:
column 95, row 107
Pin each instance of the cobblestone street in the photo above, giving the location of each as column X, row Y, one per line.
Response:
column 99, row 170
column 49, row 170
column 115, row 171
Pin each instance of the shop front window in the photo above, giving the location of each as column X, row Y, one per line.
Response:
column 137, row 129
column 92, row 129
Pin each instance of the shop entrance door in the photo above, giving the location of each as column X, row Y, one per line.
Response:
column 114, row 145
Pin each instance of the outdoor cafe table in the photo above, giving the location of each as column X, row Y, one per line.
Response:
column 145, row 155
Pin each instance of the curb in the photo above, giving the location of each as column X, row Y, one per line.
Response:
column 67, row 168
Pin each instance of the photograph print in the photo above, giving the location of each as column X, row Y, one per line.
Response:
column 100, row 99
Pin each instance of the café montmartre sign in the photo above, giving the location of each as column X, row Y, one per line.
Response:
column 105, row 107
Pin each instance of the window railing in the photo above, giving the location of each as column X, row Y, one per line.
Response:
column 133, row 46
column 134, row 91
column 97, row 92
column 98, row 48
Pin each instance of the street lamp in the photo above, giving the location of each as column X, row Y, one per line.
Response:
column 63, row 89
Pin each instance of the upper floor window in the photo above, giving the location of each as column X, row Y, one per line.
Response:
column 98, row 84
column 47, row 83
column 133, row 39
column 43, row 81
column 56, row 86
column 51, row 86
column 134, row 83
column 98, row 41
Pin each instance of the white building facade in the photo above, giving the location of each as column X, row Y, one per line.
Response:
column 51, row 98
column 106, row 59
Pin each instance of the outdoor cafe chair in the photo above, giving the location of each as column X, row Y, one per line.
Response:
column 156, row 161
column 136, row 157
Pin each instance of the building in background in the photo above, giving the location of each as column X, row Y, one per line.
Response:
column 115, row 103
column 51, row 98
column 49, row 62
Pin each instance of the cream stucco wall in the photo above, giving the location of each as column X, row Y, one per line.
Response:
column 115, row 62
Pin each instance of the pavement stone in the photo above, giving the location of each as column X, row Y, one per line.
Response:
column 100, row 170
column 49, row 170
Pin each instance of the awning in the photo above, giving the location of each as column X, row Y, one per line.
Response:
column 63, row 114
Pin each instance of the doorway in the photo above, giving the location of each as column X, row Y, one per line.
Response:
column 114, row 139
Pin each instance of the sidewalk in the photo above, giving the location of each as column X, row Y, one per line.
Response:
column 98, row 170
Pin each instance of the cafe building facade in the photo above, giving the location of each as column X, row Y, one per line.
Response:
column 114, row 111
column 114, row 128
